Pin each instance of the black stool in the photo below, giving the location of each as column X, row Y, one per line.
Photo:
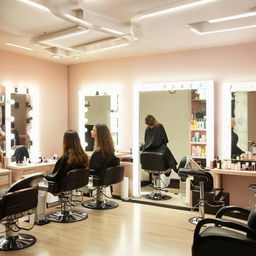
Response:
column 252, row 198
column 202, row 177
column 155, row 163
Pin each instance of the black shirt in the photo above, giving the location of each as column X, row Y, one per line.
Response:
column 99, row 162
column 156, row 141
column 61, row 168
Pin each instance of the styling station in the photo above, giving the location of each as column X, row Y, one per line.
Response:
column 127, row 127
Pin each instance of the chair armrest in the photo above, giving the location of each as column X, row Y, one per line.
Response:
column 235, row 209
column 224, row 223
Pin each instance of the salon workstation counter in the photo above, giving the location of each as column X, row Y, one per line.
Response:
column 236, row 183
column 18, row 171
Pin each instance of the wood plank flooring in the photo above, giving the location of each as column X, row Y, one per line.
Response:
column 129, row 230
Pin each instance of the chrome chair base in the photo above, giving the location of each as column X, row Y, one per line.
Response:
column 100, row 205
column 11, row 243
column 195, row 220
column 157, row 196
column 67, row 216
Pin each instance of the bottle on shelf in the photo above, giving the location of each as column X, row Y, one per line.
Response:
column 218, row 163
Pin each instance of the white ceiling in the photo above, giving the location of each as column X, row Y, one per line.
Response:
column 119, row 21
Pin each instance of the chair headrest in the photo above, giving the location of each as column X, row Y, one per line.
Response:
column 185, row 172
column 28, row 181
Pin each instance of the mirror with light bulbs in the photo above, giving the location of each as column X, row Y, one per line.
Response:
column 21, row 122
column 97, row 107
column 239, row 119
column 186, row 109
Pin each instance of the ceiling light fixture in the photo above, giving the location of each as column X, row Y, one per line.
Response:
column 221, row 30
column 77, row 57
column 107, row 48
column 234, row 17
column 55, row 56
column 175, row 8
column 19, row 46
column 36, row 5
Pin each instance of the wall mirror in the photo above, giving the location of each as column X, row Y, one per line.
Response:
column 239, row 119
column 21, row 121
column 2, row 118
column 97, row 107
column 186, row 111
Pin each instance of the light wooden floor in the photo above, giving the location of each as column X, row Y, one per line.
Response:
column 129, row 230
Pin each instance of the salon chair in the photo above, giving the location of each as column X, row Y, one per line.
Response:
column 203, row 184
column 222, row 236
column 155, row 163
column 73, row 179
column 110, row 176
column 19, row 201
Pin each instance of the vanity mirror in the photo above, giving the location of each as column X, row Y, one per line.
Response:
column 186, row 111
column 97, row 107
column 239, row 120
column 21, row 121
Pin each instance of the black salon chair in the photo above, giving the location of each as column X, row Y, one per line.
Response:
column 73, row 179
column 204, row 195
column 225, row 236
column 155, row 163
column 110, row 176
column 19, row 201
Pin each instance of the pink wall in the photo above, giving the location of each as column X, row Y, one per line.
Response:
column 50, row 80
column 223, row 64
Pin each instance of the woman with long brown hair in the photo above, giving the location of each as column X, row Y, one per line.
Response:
column 104, row 152
column 73, row 156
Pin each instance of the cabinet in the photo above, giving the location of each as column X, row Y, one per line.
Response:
column 198, row 129
column 18, row 171
column 5, row 178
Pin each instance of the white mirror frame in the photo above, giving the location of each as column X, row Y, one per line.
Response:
column 114, row 113
column 34, row 152
column 164, row 86
column 226, row 118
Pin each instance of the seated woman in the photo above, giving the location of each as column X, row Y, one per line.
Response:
column 103, row 155
column 73, row 157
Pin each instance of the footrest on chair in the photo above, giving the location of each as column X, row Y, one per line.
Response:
column 67, row 217
column 100, row 205
column 18, row 242
column 157, row 196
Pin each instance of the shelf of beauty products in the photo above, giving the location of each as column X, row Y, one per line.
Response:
column 239, row 164
column 198, row 138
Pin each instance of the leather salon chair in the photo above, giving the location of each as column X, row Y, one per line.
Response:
column 155, row 163
column 203, row 184
column 19, row 201
column 223, row 236
column 111, row 175
column 73, row 179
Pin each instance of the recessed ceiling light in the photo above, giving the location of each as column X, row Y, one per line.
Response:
column 55, row 56
column 77, row 57
column 175, row 8
column 19, row 46
column 33, row 4
column 234, row 17
column 221, row 30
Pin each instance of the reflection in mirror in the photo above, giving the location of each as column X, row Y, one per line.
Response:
column 186, row 112
column 98, row 112
column 21, row 123
column 243, row 124
column 20, row 111
column 239, row 105
column 2, row 119
column 98, row 107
